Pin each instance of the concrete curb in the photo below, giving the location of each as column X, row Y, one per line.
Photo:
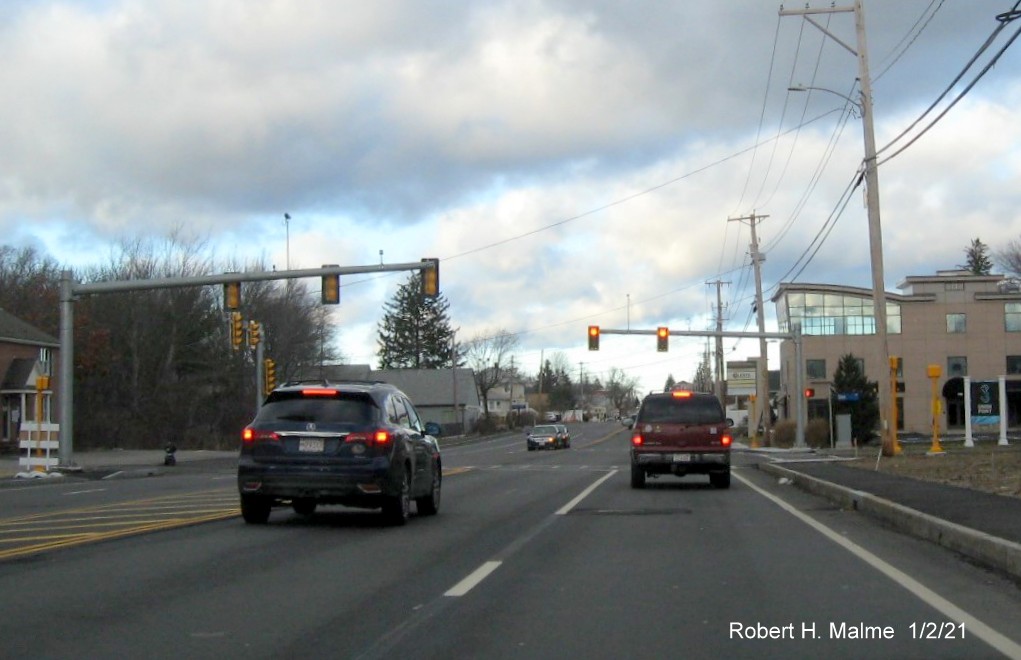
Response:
column 984, row 548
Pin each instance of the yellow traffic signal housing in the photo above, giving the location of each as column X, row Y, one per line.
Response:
column 331, row 289
column 232, row 295
column 593, row 337
column 431, row 278
column 269, row 375
column 662, row 339
column 237, row 330
column 254, row 333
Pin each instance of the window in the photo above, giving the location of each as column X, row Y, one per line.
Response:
column 837, row 314
column 957, row 323
column 1012, row 317
column 815, row 369
column 1014, row 364
column 957, row 366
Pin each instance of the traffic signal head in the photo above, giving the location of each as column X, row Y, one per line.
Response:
column 232, row 295
column 254, row 333
column 269, row 375
column 237, row 330
column 662, row 339
column 809, row 392
column 331, row 288
column 431, row 278
column 593, row 337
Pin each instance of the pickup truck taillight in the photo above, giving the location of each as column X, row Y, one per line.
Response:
column 636, row 439
column 726, row 440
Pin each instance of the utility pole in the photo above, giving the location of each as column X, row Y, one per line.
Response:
column 719, row 388
column 891, row 446
column 762, row 375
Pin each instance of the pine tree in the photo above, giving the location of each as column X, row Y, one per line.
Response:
column 670, row 383
column 978, row 262
column 850, row 379
column 415, row 332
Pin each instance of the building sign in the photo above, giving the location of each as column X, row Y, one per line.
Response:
column 740, row 376
column 985, row 402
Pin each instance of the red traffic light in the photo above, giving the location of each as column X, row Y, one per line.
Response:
column 809, row 392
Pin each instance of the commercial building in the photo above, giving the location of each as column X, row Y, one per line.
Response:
column 965, row 324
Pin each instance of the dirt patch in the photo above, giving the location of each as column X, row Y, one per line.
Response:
column 992, row 469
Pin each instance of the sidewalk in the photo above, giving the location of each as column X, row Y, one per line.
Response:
column 105, row 462
column 982, row 526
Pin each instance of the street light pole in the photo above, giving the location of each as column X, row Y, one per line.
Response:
column 871, row 176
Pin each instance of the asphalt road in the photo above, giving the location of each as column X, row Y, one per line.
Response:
column 533, row 555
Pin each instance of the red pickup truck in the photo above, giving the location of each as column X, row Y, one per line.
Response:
column 680, row 433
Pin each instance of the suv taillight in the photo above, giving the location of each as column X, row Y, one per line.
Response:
column 636, row 439
column 379, row 437
column 726, row 440
column 250, row 435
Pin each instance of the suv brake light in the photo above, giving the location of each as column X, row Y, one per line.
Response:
column 318, row 391
column 726, row 440
column 249, row 435
column 681, row 394
column 636, row 439
column 379, row 437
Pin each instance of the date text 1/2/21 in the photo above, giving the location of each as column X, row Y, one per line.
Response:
column 933, row 630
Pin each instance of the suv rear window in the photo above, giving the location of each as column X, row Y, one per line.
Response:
column 341, row 408
column 670, row 410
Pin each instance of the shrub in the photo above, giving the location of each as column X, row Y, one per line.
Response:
column 817, row 433
column 783, row 433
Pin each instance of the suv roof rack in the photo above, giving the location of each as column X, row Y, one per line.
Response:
column 325, row 382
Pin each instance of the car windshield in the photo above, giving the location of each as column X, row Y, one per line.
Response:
column 695, row 410
column 338, row 409
column 544, row 430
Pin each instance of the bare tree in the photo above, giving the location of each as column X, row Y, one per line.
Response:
column 489, row 356
column 621, row 388
column 1009, row 258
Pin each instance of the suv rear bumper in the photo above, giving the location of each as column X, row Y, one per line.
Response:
column 681, row 462
column 361, row 486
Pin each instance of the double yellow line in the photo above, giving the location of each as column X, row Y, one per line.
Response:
column 62, row 529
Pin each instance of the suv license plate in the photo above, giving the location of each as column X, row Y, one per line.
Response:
column 682, row 458
column 310, row 445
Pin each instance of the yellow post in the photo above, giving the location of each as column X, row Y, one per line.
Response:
column 934, row 371
column 891, row 445
column 753, row 424
column 40, row 384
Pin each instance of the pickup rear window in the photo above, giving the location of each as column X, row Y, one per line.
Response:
column 669, row 410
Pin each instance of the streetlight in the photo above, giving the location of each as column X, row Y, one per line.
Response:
column 871, row 176
column 806, row 88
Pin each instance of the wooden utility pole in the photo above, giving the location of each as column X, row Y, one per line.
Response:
column 763, row 407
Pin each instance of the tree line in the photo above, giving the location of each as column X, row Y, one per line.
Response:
column 157, row 366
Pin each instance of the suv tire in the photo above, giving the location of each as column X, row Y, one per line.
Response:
column 255, row 509
column 304, row 506
column 720, row 479
column 637, row 477
column 397, row 508
column 430, row 504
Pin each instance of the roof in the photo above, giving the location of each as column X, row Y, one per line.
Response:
column 19, row 373
column 15, row 331
column 425, row 387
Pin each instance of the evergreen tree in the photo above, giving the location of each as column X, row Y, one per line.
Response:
column 848, row 379
column 978, row 261
column 670, row 383
column 415, row 332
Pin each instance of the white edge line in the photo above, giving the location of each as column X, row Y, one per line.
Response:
column 564, row 510
column 470, row 582
column 998, row 641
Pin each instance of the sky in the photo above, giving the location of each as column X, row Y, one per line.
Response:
column 570, row 163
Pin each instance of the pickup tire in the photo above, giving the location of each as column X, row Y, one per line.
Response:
column 637, row 477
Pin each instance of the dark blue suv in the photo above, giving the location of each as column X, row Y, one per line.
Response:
column 359, row 444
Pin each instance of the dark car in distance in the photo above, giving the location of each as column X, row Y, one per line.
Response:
column 680, row 433
column 544, row 436
column 354, row 443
